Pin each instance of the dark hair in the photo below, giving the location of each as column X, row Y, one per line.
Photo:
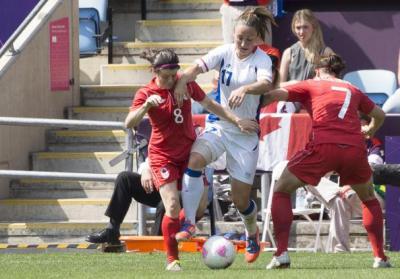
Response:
column 258, row 18
column 161, row 57
column 333, row 64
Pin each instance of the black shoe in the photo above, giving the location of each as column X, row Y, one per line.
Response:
column 105, row 236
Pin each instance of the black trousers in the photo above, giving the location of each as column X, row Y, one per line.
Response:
column 127, row 187
column 386, row 174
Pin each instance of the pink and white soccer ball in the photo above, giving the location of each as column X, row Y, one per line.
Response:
column 218, row 252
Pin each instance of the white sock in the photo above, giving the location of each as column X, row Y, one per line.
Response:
column 249, row 217
column 192, row 191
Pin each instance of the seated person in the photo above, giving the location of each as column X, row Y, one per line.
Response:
column 130, row 185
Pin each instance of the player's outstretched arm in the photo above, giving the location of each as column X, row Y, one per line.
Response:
column 190, row 74
column 280, row 94
column 245, row 125
column 377, row 117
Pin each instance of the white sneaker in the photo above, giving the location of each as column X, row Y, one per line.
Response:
column 174, row 266
column 379, row 263
column 282, row 261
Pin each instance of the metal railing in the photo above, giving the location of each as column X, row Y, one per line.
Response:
column 63, row 123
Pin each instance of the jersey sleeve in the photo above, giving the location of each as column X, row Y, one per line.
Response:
column 366, row 105
column 264, row 66
column 138, row 101
column 298, row 92
column 196, row 92
column 213, row 58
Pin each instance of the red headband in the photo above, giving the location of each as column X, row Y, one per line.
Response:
column 167, row 66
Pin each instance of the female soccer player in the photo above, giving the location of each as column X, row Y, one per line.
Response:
column 337, row 144
column 172, row 136
column 244, row 75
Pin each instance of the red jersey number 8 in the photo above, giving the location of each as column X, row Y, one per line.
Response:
column 178, row 116
column 346, row 101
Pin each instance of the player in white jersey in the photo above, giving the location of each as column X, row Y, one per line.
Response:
column 244, row 74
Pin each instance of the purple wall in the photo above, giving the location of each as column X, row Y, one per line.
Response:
column 12, row 13
column 365, row 39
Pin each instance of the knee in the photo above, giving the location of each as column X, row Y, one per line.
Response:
column 196, row 161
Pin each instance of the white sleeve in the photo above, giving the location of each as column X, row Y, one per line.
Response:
column 264, row 66
column 212, row 60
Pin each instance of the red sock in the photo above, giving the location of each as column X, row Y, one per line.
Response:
column 373, row 223
column 169, row 228
column 282, row 217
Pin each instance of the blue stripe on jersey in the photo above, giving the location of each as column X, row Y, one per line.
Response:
column 212, row 117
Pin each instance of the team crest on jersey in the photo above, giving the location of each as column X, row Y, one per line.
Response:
column 164, row 173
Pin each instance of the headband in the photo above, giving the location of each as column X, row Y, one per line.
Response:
column 167, row 66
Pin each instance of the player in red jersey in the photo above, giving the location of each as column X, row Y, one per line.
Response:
column 172, row 136
column 337, row 144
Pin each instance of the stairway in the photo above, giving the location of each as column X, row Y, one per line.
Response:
column 66, row 211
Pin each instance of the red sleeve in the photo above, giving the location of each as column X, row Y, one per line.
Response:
column 138, row 101
column 366, row 105
column 195, row 91
column 298, row 92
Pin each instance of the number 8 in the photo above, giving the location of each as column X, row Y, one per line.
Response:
column 346, row 101
column 178, row 116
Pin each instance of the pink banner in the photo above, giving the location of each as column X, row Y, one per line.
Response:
column 59, row 55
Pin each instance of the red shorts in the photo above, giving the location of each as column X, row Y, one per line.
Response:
column 312, row 163
column 166, row 171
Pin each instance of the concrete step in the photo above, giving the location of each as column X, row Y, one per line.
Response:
column 114, row 95
column 98, row 113
column 60, row 189
column 123, row 74
column 86, row 162
column 86, row 147
column 56, row 232
column 23, row 210
column 85, row 136
column 178, row 30
column 167, row 5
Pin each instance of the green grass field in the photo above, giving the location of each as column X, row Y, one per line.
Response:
column 132, row 265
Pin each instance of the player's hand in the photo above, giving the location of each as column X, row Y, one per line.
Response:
column 180, row 93
column 366, row 131
column 248, row 126
column 147, row 181
column 154, row 101
column 237, row 97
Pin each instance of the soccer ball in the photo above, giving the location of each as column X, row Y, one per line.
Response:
column 218, row 252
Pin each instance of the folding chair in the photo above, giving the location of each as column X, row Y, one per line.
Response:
column 304, row 212
column 89, row 31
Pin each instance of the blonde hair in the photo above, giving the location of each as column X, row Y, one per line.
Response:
column 316, row 43
column 258, row 18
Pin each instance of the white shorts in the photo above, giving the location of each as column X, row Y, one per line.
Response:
column 241, row 151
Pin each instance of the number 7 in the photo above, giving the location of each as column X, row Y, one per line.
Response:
column 346, row 101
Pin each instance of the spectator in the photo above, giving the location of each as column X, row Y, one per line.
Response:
column 337, row 145
column 299, row 59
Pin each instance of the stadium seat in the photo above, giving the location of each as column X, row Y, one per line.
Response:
column 89, row 31
column 99, row 5
column 304, row 212
column 392, row 105
column 376, row 83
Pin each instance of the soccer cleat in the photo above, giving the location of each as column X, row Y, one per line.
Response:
column 282, row 261
column 105, row 236
column 380, row 263
column 174, row 266
column 252, row 247
column 186, row 233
